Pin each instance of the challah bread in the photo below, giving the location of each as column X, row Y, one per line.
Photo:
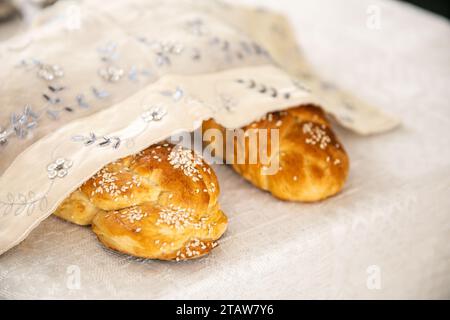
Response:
column 77, row 208
column 313, row 165
column 161, row 203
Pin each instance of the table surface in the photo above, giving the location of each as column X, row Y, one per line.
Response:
column 387, row 235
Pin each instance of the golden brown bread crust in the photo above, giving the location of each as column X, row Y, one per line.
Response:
column 77, row 208
column 313, row 164
column 161, row 203
column 160, row 233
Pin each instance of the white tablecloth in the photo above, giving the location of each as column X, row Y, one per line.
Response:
column 387, row 235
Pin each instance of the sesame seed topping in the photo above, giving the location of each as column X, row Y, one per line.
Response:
column 316, row 135
column 135, row 214
column 177, row 218
column 194, row 248
column 107, row 183
column 187, row 161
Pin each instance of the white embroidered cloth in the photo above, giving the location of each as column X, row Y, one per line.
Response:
column 132, row 74
column 385, row 236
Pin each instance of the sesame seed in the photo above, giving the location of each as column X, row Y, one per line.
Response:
column 316, row 135
column 187, row 161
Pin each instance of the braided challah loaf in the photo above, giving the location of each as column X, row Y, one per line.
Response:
column 161, row 203
column 313, row 165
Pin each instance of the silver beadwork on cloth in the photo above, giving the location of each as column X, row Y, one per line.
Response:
column 154, row 114
column 111, row 73
column 49, row 72
column 59, row 168
column 20, row 125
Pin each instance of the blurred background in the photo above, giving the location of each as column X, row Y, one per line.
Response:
column 14, row 14
column 441, row 7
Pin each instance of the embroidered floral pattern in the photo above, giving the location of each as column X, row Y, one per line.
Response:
column 59, row 168
column 102, row 141
column 20, row 125
column 3, row 136
column 154, row 114
column 49, row 71
column 111, row 74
